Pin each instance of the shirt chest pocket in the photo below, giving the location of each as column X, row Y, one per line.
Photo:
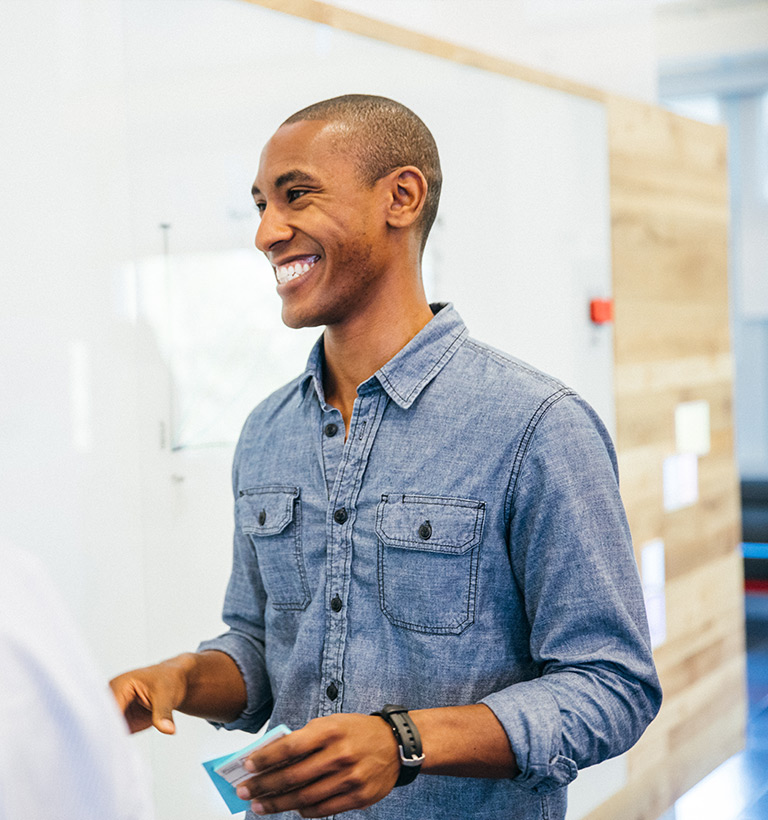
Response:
column 271, row 517
column 428, row 554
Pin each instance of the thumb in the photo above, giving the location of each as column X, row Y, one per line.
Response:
column 162, row 718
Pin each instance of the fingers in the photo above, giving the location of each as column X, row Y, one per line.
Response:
column 294, row 775
column 328, row 795
column 137, row 717
column 333, row 764
column 147, row 698
column 289, row 749
column 122, row 693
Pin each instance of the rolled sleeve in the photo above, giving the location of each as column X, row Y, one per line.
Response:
column 531, row 716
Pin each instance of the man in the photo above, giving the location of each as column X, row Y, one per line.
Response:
column 420, row 521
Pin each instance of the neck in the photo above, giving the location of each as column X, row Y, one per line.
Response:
column 356, row 350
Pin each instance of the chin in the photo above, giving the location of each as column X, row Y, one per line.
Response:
column 297, row 322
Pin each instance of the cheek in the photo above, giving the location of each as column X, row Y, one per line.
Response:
column 357, row 258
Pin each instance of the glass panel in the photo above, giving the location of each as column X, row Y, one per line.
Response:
column 216, row 319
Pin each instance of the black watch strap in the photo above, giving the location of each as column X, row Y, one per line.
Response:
column 408, row 740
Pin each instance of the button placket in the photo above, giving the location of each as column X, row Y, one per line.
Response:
column 331, row 445
column 343, row 496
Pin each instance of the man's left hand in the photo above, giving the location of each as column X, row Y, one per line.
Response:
column 331, row 765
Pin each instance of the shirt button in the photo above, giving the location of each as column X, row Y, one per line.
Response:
column 331, row 430
column 262, row 517
column 336, row 603
column 425, row 531
column 332, row 691
column 340, row 516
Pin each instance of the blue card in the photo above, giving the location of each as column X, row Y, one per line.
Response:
column 227, row 791
column 230, row 765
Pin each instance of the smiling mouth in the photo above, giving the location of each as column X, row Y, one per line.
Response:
column 295, row 268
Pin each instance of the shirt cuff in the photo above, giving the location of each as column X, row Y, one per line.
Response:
column 248, row 655
column 531, row 718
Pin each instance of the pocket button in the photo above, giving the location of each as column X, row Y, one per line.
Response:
column 425, row 531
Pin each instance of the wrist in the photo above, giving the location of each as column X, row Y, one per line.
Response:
column 464, row 741
column 181, row 669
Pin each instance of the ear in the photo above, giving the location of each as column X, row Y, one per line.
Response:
column 406, row 191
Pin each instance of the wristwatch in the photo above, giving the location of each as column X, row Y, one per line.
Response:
column 408, row 741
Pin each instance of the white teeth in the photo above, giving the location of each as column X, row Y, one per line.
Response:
column 287, row 272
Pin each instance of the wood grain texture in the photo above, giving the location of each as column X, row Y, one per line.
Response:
column 669, row 238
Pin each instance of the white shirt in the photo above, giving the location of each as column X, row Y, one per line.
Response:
column 64, row 747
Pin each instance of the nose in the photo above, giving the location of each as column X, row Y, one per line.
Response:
column 272, row 229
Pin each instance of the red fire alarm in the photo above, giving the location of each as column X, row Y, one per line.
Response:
column 601, row 311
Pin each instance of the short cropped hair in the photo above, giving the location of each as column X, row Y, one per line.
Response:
column 385, row 135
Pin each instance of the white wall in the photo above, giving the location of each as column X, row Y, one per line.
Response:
column 707, row 30
column 608, row 44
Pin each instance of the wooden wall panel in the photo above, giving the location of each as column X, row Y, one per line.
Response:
column 669, row 236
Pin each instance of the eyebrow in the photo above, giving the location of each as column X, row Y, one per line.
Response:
column 287, row 178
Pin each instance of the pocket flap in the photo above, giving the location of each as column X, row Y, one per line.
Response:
column 266, row 510
column 432, row 523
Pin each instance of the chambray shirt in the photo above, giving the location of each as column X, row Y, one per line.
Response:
column 466, row 543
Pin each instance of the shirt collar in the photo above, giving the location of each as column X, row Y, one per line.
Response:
column 410, row 370
column 313, row 374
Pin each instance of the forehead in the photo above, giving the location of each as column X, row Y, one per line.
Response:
column 308, row 148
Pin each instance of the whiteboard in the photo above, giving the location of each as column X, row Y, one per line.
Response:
column 521, row 243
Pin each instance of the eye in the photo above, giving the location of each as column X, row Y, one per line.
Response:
column 260, row 206
column 295, row 193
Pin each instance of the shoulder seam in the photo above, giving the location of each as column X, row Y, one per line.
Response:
column 525, row 441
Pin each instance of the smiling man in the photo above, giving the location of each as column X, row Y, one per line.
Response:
column 420, row 520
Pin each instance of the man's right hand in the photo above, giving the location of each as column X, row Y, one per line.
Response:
column 205, row 684
column 148, row 696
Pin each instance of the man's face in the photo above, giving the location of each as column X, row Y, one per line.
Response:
column 321, row 228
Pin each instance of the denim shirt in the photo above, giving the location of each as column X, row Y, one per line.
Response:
column 465, row 544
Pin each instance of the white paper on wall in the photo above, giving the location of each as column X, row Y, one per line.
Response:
column 692, row 427
column 681, row 481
